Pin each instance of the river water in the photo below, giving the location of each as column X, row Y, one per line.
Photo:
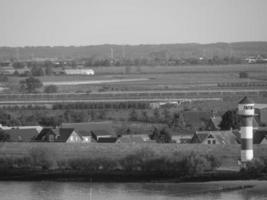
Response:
column 46, row 190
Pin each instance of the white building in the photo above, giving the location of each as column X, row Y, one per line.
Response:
column 79, row 71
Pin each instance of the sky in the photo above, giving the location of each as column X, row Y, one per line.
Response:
column 93, row 22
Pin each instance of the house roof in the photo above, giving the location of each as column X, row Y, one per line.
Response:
column 43, row 132
column 24, row 135
column 102, row 133
column 223, row 137
column 245, row 100
column 64, row 134
column 107, row 139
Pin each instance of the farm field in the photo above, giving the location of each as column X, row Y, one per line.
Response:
column 152, row 78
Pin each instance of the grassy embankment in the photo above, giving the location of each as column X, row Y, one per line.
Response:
column 118, row 161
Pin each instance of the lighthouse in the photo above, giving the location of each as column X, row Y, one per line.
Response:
column 246, row 112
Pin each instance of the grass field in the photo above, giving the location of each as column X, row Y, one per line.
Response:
column 159, row 77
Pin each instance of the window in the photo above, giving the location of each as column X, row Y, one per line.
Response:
column 248, row 107
column 213, row 142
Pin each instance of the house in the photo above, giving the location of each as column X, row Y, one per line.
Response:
column 67, row 135
column 46, row 135
column 214, row 137
column 104, row 136
column 21, row 135
column 85, row 128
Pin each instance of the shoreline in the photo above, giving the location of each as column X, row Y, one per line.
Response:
column 118, row 176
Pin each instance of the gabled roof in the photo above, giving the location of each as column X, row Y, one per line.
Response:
column 223, row 137
column 64, row 134
column 44, row 132
column 21, row 135
column 246, row 100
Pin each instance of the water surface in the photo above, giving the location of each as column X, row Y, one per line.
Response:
column 130, row 191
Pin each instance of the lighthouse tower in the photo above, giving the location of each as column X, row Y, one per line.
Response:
column 246, row 112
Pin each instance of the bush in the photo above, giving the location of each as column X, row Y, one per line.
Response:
column 254, row 167
column 42, row 158
column 195, row 163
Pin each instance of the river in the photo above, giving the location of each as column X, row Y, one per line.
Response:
column 45, row 190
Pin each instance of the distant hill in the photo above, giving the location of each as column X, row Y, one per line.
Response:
column 189, row 50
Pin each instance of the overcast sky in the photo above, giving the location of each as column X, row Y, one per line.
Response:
column 87, row 22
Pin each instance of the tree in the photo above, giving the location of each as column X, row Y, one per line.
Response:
column 156, row 115
column 50, row 121
column 162, row 136
column 51, row 89
column 230, row 120
column 30, row 84
column 133, row 115
column 4, row 137
column 37, row 71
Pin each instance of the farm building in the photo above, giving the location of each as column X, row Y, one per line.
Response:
column 21, row 135
column 67, row 135
column 104, row 136
column 85, row 128
column 79, row 71
column 214, row 137
column 182, row 136
column 38, row 128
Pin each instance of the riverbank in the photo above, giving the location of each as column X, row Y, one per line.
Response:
column 119, row 176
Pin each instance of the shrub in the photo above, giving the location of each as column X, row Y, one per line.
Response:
column 42, row 158
column 195, row 163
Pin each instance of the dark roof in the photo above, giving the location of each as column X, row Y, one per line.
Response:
column 223, row 137
column 107, row 139
column 102, row 133
column 44, row 132
column 21, row 135
column 246, row 100
column 63, row 134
